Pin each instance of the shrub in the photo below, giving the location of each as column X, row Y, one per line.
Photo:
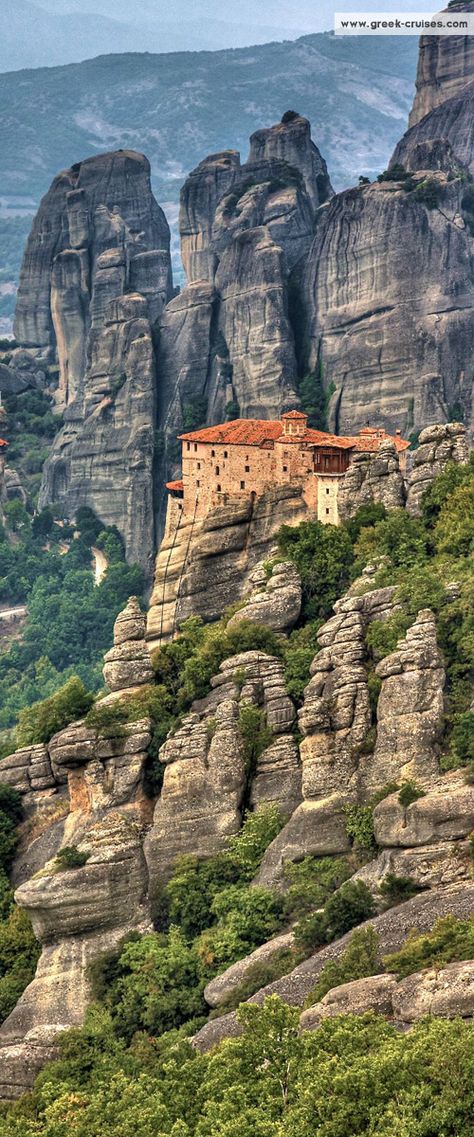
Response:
column 19, row 953
column 310, row 883
column 409, row 792
column 323, row 556
column 158, row 985
column 246, row 917
column 70, row 857
column 39, row 722
column 360, row 826
column 462, row 738
column 187, row 898
column 397, row 889
column 256, row 735
column 399, row 538
column 367, row 515
column 360, row 959
column 349, row 906
column 383, row 635
column 450, row 939
column 299, row 652
column 429, row 192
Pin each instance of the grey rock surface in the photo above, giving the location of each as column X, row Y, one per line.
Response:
column 391, row 351
column 410, row 710
column 354, row 998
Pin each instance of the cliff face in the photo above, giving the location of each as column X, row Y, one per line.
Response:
column 445, row 66
column 392, row 340
column 95, row 276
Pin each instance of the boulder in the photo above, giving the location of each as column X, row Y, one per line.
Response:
column 354, row 998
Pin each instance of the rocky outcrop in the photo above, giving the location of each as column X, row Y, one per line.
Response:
column 445, row 68
column 438, row 445
column 99, row 234
column 290, row 140
column 77, row 914
column 203, row 567
column 206, row 764
column 128, row 662
column 244, row 227
column 372, row 477
column 103, row 457
column 447, row 993
column 355, row 998
column 386, row 349
column 275, row 600
column 410, row 710
column 446, row 814
column 91, row 225
column 334, row 721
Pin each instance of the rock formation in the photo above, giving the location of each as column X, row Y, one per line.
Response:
column 372, row 477
column 203, row 567
column 438, row 445
column 95, row 276
column 206, row 774
column 392, row 927
column 386, row 349
column 447, row 993
column 128, row 663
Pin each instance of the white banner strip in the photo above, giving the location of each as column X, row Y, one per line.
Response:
column 454, row 23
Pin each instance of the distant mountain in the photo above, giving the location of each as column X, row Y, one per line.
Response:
column 31, row 36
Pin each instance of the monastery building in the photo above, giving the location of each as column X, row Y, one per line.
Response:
column 248, row 456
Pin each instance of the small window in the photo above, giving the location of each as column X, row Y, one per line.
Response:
column 198, row 482
column 217, row 470
column 327, row 513
column 213, row 453
column 218, row 488
column 188, row 446
column 247, row 469
column 327, row 491
column 195, row 447
column 199, row 465
column 226, row 454
column 242, row 485
column 285, row 469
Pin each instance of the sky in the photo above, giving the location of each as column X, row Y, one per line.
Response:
column 305, row 15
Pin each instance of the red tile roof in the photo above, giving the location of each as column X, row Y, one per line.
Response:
column 262, row 432
column 294, row 414
column 178, row 485
column 3, row 442
column 258, row 432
